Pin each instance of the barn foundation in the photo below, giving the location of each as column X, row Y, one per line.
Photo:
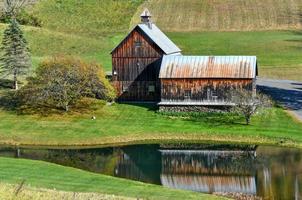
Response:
column 194, row 108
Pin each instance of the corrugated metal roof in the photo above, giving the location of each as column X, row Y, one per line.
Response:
column 158, row 37
column 208, row 67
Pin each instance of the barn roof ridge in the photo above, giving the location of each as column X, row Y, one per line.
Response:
column 190, row 66
column 157, row 36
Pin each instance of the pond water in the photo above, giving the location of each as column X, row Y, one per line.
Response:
column 269, row 172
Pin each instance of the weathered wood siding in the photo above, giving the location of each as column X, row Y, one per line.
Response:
column 201, row 89
column 135, row 65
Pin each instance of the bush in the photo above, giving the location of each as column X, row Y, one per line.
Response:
column 61, row 82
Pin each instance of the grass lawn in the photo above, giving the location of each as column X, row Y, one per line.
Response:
column 130, row 124
column 46, row 175
column 278, row 52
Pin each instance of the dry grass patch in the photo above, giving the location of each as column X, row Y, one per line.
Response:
column 224, row 15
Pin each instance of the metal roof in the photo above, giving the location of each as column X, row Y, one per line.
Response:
column 208, row 67
column 158, row 37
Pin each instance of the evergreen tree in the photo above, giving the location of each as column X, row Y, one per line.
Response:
column 15, row 57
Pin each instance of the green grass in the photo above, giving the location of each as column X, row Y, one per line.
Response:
column 91, row 29
column 93, row 18
column 46, row 175
column 45, row 43
column 278, row 52
column 130, row 124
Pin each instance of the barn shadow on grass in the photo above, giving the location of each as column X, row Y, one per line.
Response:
column 219, row 119
column 210, row 119
column 150, row 106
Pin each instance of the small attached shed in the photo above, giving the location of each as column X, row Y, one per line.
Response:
column 204, row 80
column 136, row 61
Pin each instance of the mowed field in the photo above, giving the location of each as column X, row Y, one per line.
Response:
column 224, row 15
column 91, row 28
column 122, row 124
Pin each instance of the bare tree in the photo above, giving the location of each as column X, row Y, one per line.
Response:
column 248, row 103
column 12, row 7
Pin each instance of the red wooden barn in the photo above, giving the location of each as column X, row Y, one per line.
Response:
column 136, row 61
column 148, row 66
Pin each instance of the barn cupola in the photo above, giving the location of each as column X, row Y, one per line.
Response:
column 146, row 18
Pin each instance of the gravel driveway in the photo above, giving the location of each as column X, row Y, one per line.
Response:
column 288, row 93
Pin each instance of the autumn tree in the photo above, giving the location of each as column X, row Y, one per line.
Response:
column 62, row 81
column 11, row 8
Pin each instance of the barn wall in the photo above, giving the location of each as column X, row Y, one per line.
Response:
column 135, row 65
column 201, row 89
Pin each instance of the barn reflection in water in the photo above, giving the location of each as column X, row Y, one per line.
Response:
column 269, row 172
column 209, row 171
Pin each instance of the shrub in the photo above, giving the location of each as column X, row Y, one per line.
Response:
column 61, row 82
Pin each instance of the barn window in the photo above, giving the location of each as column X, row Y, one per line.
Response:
column 209, row 94
column 137, row 47
column 188, row 94
column 151, row 88
column 137, row 44
column 125, row 88
column 212, row 95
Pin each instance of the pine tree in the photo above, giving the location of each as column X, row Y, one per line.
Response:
column 15, row 57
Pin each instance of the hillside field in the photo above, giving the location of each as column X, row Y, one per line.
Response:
column 223, row 15
column 92, row 28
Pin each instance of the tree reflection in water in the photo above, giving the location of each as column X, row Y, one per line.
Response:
column 270, row 172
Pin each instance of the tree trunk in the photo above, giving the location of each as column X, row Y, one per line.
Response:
column 66, row 108
column 16, row 87
column 247, row 120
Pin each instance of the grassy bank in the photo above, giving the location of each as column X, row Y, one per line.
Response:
column 46, row 175
column 129, row 124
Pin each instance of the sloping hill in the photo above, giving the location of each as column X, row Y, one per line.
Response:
column 224, row 15
column 91, row 28
column 85, row 28
column 86, row 17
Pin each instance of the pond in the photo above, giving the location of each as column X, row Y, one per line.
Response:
column 268, row 172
